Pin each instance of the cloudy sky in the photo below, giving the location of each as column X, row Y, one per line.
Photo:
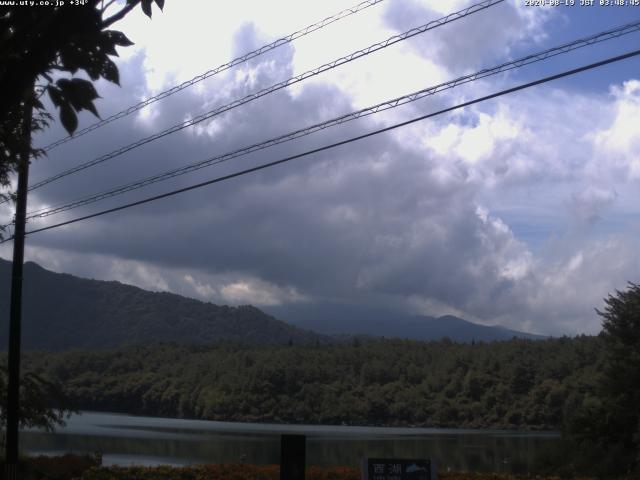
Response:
column 520, row 211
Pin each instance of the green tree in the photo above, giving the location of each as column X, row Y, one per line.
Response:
column 44, row 47
column 620, row 384
column 604, row 424
column 43, row 404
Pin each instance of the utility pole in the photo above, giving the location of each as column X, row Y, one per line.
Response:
column 15, row 319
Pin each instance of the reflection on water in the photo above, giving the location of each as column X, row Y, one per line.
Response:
column 126, row 440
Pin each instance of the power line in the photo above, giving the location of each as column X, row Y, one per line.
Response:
column 328, row 66
column 389, row 104
column 226, row 66
column 343, row 142
column 278, row 86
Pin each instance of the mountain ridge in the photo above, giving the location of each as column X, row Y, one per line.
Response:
column 62, row 311
column 340, row 319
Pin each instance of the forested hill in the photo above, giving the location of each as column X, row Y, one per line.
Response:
column 518, row 383
column 62, row 311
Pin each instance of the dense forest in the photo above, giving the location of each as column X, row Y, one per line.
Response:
column 513, row 384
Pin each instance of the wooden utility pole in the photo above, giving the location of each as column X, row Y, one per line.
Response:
column 15, row 319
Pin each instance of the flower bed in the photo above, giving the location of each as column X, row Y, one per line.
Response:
column 215, row 472
column 76, row 467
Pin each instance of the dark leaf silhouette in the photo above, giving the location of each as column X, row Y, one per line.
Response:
column 146, row 7
column 118, row 38
column 110, row 71
column 68, row 118
column 79, row 93
column 55, row 95
column 34, row 43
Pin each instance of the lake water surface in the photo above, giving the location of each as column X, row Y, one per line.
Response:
column 129, row 439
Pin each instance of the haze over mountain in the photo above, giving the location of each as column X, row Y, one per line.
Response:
column 341, row 319
column 63, row 311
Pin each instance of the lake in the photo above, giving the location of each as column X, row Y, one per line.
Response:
column 129, row 439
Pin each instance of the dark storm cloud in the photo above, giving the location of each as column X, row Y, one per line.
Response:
column 389, row 218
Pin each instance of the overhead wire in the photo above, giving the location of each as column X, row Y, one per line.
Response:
column 219, row 69
column 278, row 86
column 389, row 104
column 343, row 142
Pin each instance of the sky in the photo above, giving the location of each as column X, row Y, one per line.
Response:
column 520, row 211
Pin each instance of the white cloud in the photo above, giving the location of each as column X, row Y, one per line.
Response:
column 469, row 43
column 618, row 144
column 259, row 293
column 572, row 286
column 203, row 290
column 103, row 267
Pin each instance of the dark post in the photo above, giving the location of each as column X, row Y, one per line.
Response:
column 292, row 457
column 13, row 389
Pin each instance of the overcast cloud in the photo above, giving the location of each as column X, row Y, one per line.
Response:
column 521, row 211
